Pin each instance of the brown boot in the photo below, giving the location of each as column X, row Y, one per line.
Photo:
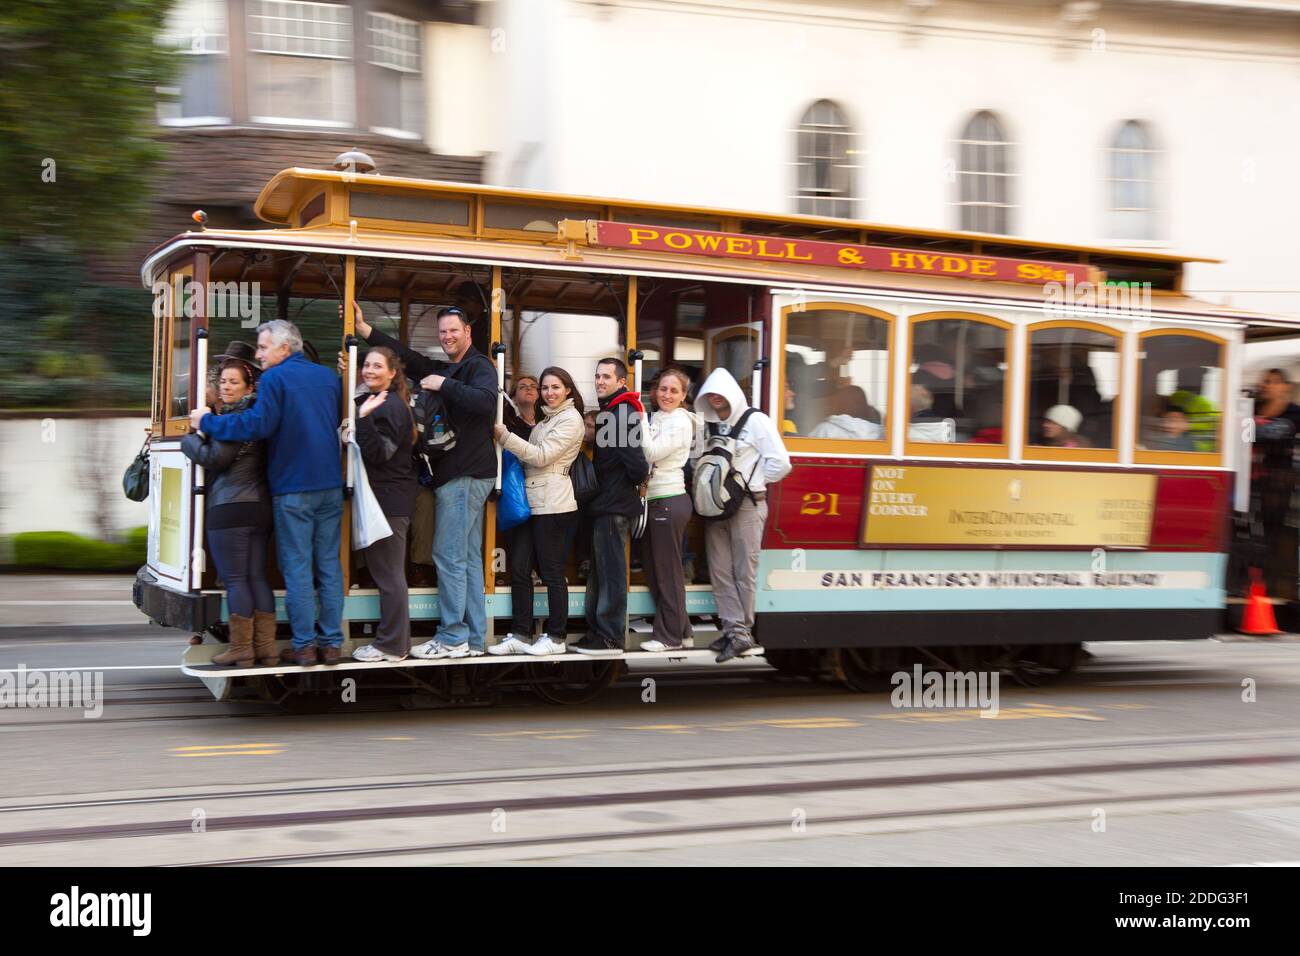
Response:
column 268, row 655
column 241, row 643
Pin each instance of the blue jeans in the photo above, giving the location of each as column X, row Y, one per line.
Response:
column 458, row 555
column 607, row 580
column 308, row 531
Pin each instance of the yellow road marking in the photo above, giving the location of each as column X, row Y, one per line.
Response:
column 233, row 753
column 524, row 733
column 225, row 746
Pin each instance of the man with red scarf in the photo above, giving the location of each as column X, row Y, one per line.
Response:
column 620, row 468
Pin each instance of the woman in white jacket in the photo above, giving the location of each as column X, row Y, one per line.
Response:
column 553, row 444
column 733, row 543
column 667, row 444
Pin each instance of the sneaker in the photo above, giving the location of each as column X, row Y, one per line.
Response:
column 544, row 645
column 433, row 651
column 720, row 644
column 658, row 647
column 736, row 647
column 594, row 648
column 511, row 644
column 372, row 655
column 476, row 652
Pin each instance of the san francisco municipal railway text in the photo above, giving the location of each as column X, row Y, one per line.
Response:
column 989, row 579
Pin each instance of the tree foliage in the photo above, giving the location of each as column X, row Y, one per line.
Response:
column 79, row 147
column 78, row 143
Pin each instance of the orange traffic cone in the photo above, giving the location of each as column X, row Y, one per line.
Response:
column 1258, row 618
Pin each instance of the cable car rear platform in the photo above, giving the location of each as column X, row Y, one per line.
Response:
column 197, row 661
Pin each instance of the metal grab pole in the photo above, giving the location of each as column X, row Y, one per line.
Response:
column 197, row 554
column 498, row 355
column 756, row 393
column 349, row 398
column 635, row 356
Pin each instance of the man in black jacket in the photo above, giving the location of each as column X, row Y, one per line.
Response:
column 621, row 466
column 462, row 479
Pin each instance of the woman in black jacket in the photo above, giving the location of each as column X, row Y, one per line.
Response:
column 238, row 523
column 386, row 436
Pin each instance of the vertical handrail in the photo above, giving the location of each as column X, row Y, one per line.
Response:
column 197, row 554
column 498, row 356
column 352, row 405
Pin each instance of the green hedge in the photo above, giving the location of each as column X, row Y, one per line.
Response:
column 65, row 551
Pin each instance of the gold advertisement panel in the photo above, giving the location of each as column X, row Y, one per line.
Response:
column 1001, row 507
column 169, row 518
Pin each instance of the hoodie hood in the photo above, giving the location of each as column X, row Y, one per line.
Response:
column 720, row 382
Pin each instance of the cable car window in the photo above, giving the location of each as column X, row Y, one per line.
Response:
column 958, row 382
column 1073, row 381
column 1181, row 384
column 836, row 375
column 182, row 290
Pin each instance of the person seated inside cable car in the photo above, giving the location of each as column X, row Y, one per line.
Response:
column 1202, row 415
column 788, row 425
column 849, row 416
column 1060, row 428
column 1169, row 432
column 926, row 424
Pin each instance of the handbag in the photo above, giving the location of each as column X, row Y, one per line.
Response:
column 583, row 475
column 512, row 506
column 368, row 522
column 135, row 483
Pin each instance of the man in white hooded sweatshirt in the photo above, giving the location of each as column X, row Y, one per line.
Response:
column 733, row 544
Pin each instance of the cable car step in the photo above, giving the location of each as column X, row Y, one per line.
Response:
column 197, row 660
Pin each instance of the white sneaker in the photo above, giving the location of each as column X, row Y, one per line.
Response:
column 510, row 644
column 371, row 654
column 544, row 646
column 657, row 647
column 433, row 651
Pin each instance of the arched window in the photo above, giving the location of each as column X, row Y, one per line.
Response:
column 825, row 160
column 1132, row 183
column 958, row 375
column 984, row 173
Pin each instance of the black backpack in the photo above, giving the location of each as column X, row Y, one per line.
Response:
column 435, row 433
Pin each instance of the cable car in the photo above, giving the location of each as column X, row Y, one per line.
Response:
column 1001, row 447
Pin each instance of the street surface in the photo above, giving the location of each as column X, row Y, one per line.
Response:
column 1147, row 755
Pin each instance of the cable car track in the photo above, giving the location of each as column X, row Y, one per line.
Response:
column 589, row 801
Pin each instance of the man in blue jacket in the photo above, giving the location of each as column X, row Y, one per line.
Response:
column 297, row 412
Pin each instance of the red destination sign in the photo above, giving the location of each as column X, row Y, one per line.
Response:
column 728, row 245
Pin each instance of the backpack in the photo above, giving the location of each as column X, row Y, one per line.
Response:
column 717, row 488
column 435, row 434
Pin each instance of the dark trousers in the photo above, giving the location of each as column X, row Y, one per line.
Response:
column 541, row 542
column 386, row 559
column 607, row 580
column 240, row 556
column 661, row 558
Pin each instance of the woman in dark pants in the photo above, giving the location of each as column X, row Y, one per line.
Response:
column 386, row 436
column 553, row 444
column 238, row 523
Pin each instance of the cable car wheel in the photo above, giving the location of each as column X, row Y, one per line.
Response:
column 573, row 682
column 1036, row 665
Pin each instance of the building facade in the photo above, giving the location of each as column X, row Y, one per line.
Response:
column 1133, row 123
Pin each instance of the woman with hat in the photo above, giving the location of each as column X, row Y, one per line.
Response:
column 1061, row 428
column 238, row 516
